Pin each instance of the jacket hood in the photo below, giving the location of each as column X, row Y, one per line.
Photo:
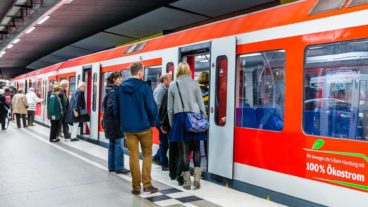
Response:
column 110, row 87
column 132, row 84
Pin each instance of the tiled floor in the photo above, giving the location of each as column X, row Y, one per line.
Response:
column 34, row 172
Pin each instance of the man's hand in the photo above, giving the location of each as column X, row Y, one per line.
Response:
column 76, row 114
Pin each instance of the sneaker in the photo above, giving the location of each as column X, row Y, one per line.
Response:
column 135, row 192
column 180, row 180
column 165, row 169
column 55, row 140
column 74, row 139
column 157, row 162
column 150, row 189
column 122, row 171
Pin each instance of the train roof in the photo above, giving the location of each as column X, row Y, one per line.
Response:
column 291, row 13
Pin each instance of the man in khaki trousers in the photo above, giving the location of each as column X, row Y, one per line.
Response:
column 137, row 113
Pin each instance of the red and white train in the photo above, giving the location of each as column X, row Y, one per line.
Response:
column 288, row 95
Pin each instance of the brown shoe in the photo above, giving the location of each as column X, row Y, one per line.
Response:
column 150, row 189
column 136, row 192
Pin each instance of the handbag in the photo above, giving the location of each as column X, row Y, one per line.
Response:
column 194, row 122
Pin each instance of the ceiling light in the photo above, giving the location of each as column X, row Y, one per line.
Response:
column 67, row 1
column 16, row 41
column 2, row 52
column 10, row 46
column 44, row 19
column 30, row 30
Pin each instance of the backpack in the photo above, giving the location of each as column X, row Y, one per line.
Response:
column 8, row 98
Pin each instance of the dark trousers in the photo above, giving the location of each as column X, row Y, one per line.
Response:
column 175, row 164
column 185, row 149
column 3, row 120
column 54, row 129
column 18, row 116
column 164, row 147
column 65, row 127
column 31, row 115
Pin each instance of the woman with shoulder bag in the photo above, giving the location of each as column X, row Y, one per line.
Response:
column 112, row 127
column 185, row 100
column 77, row 112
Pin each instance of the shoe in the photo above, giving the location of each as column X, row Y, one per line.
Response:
column 31, row 125
column 165, row 169
column 186, row 178
column 180, row 180
column 197, row 177
column 55, row 140
column 111, row 170
column 135, row 192
column 74, row 139
column 150, row 189
column 122, row 171
column 157, row 162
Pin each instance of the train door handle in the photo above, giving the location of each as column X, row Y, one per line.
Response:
column 212, row 110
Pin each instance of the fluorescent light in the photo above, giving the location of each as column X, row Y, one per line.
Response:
column 44, row 19
column 2, row 52
column 67, row 1
column 10, row 46
column 16, row 41
column 30, row 30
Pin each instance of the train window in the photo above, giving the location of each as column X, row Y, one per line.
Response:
column 38, row 89
column 125, row 74
column 152, row 76
column 261, row 90
column 72, row 85
column 357, row 2
column 170, row 68
column 327, row 5
column 94, row 91
column 221, row 90
column 335, row 90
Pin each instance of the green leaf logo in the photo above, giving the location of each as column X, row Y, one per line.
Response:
column 318, row 144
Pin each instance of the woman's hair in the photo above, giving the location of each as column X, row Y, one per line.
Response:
column 112, row 77
column 183, row 69
column 57, row 88
column 203, row 78
column 81, row 84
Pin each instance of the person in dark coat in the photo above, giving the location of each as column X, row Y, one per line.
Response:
column 77, row 112
column 4, row 107
column 54, row 113
column 65, row 103
column 112, row 127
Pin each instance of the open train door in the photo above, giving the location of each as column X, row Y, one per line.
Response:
column 221, row 132
column 94, row 111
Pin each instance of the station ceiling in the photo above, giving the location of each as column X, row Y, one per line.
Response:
column 80, row 27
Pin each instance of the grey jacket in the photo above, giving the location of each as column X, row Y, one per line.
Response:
column 158, row 94
column 191, row 94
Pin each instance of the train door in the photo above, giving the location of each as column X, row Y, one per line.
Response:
column 198, row 58
column 94, row 97
column 222, row 105
column 25, row 89
column 87, row 78
column 44, row 102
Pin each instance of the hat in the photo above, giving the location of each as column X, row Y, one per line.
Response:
column 57, row 88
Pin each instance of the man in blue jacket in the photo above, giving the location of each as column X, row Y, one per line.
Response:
column 137, row 112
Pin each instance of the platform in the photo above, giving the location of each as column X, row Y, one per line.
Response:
column 34, row 172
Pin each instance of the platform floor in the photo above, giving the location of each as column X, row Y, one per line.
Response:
column 36, row 173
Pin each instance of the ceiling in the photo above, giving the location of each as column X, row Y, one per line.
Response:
column 87, row 26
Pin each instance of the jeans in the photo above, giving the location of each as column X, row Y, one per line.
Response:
column 133, row 140
column 157, row 156
column 18, row 116
column 31, row 115
column 164, row 147
column 116, row 155
column 65, row 127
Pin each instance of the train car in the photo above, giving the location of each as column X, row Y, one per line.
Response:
column 288, row 96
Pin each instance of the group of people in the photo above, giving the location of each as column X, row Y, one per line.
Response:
column 15, row 103
column 131, row 109
column 61, row 113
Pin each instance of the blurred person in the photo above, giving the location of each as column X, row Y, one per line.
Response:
column 158, row 95
column 137, row 113
column 204, row 84
column 54, row 113
column 20, row 105
column 4, row 108
column 111, row 126
column 185, row 96
column 65, row 103
column 77, row 112
column 32, row 101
